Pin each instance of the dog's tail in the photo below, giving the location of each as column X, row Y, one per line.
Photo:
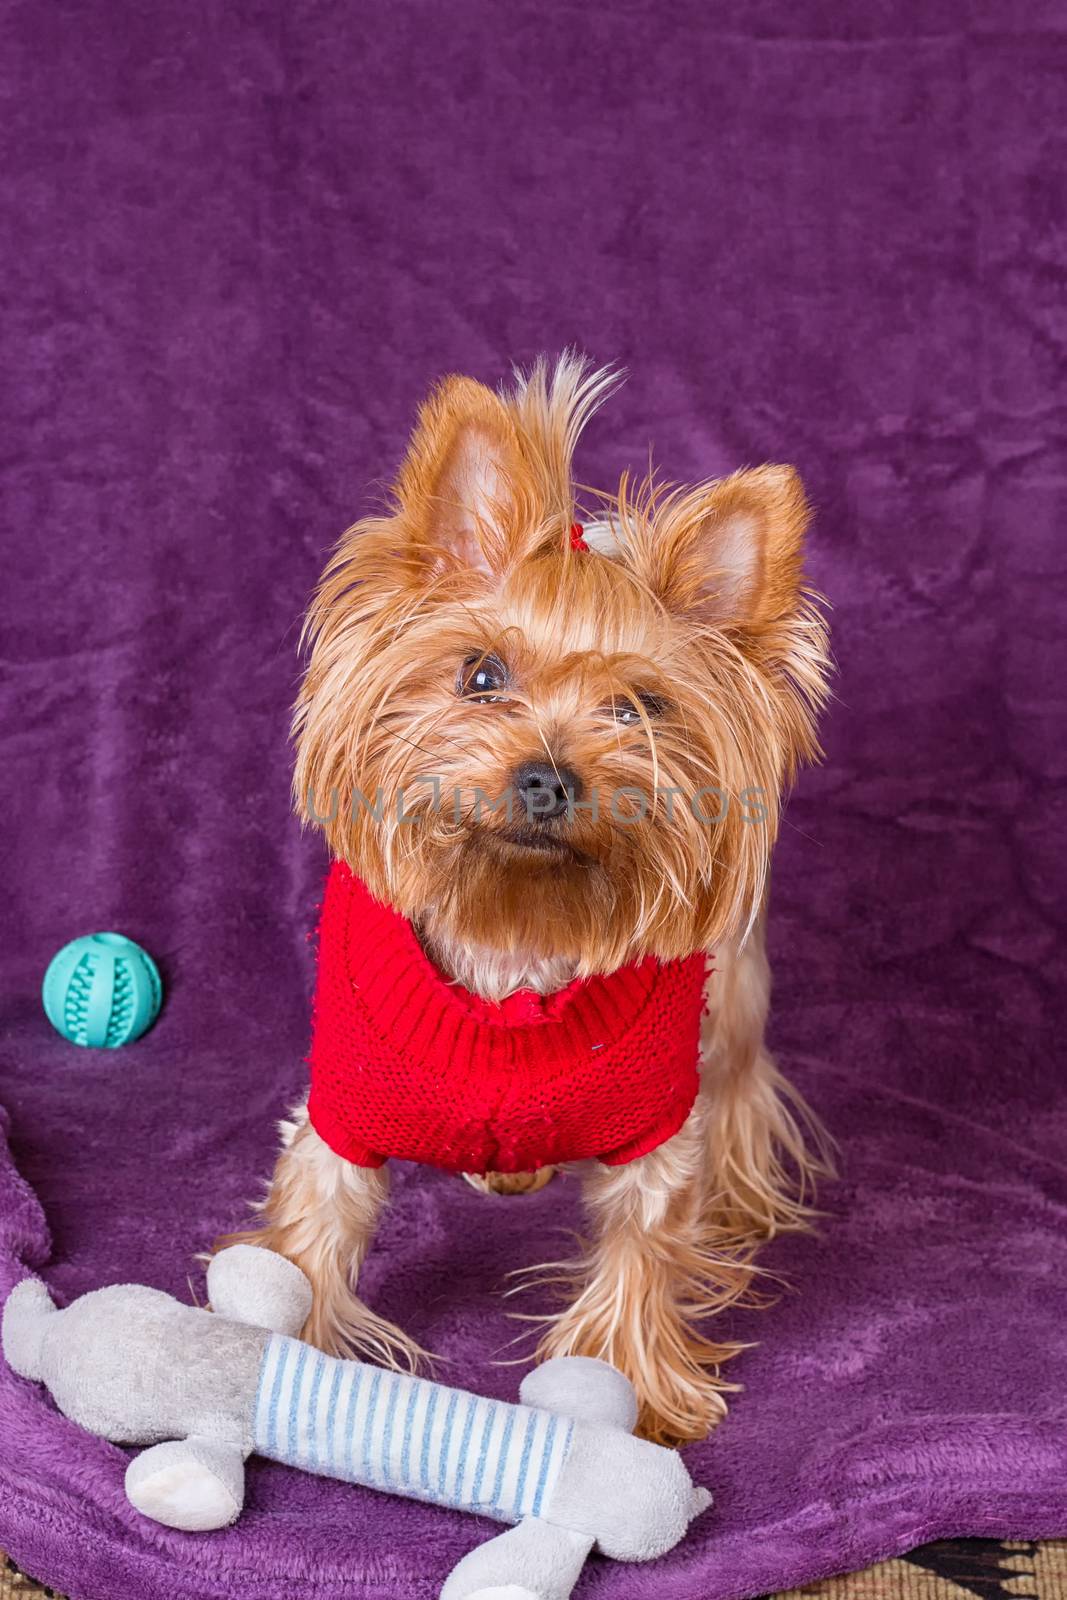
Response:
column 26, row 1314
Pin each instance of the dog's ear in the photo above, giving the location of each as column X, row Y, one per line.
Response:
column 461, row 480
column 731, row 550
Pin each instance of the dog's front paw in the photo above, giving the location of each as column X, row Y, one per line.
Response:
column 673, row 1369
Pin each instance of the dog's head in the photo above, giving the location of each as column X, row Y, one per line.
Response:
column 548, row 749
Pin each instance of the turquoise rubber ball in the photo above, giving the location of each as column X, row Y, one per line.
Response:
column 102, row 991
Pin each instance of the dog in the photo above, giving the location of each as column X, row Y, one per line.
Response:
column 650, row 674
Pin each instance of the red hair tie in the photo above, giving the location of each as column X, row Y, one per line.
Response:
column 578, row 537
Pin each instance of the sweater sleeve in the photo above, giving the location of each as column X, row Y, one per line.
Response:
column 674, row 1118
column 332, row 1132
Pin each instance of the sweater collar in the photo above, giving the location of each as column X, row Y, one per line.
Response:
column 405, row 991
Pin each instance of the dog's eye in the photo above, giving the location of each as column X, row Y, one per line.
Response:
column 482, row 677
column 626, row 714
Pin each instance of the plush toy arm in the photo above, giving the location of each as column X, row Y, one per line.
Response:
column 194, row 1484
column 249, row 1284
column 532, row 1561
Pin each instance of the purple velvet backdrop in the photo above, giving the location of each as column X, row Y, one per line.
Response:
column 241, row 241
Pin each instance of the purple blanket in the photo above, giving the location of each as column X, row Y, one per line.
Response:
column 241, row 241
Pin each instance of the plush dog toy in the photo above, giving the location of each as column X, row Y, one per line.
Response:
column 206, row 1390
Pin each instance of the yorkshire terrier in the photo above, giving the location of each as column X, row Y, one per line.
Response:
column 645, row 677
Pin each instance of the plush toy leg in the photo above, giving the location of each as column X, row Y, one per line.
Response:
column 583, row 1387
column 533, row 1561
column 193, row 1484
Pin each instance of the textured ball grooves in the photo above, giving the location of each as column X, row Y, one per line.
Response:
column 102, row 991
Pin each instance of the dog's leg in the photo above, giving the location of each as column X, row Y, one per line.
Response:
column 321, row 1212
column 650, row 1271
column 674, row 1233
column 765, row 1147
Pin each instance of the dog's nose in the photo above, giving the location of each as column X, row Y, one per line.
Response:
column 545, row 791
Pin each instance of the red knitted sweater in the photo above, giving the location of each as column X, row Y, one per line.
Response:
column 406, row 1063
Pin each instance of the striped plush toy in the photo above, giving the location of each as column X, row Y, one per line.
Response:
column 205, row 1391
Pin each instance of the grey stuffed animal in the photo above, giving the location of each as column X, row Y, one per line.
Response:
column 206, row 1390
